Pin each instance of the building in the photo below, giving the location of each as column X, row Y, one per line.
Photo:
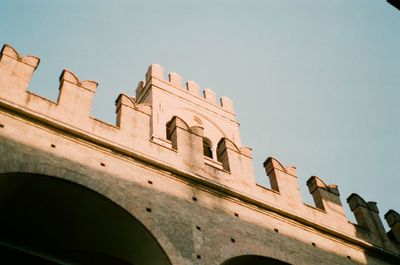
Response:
column 169, row 183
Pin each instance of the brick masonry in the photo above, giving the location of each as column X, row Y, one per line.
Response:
column 199, row 209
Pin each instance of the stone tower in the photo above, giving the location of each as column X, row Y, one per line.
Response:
column 169, row 183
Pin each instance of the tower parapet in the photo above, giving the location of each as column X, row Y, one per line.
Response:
column 220, row 130
column 155, row 71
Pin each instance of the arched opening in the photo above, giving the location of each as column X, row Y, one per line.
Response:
column 253, row 260
column 168, row 131
column 45, row 220
column 207, row 148
column 222, row 155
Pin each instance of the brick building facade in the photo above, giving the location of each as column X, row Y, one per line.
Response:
column 169, row 183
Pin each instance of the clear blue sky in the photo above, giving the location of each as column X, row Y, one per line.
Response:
column 315, row 83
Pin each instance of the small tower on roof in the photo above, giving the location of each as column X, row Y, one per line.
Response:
column 169, row 98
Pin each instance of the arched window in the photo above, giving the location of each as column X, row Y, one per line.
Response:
column 207, row 147
column 168, row 132
column 220, row 151
column 222, row 155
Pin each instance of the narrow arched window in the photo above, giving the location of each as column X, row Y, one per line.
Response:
column 168, row 132
column 221, row 151
column 222, row 156
column 207, row 148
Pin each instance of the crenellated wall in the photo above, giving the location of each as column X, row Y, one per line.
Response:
column 171, row 99
column 166, row 126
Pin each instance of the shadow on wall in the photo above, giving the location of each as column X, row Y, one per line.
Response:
column 46, row 220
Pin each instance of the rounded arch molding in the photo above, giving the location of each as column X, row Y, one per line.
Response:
column 189, row 115
column 212, row 130
column 103, row 189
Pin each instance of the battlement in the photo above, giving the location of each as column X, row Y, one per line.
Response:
column 139, row 126
column 156, row 72
column 177, row 130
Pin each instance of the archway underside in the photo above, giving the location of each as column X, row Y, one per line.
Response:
column 253, row 260
column 46, row 220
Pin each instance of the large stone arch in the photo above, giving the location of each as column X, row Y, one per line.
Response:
column 37, row 205
column 247, row 252
column 253, row 260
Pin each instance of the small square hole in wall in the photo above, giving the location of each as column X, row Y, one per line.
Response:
column 236, row 214
column 1, row 125
column 150, row 182
column 198, row 228
column 53, row 145
column 313, row 244
column 194, row 199
column 198, row 256
column 102, row 164
column 348, row 257
column 233, row 240
column 148, row 210
column 276, row 230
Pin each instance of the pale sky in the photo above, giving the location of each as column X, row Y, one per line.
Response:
column 315, row 84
